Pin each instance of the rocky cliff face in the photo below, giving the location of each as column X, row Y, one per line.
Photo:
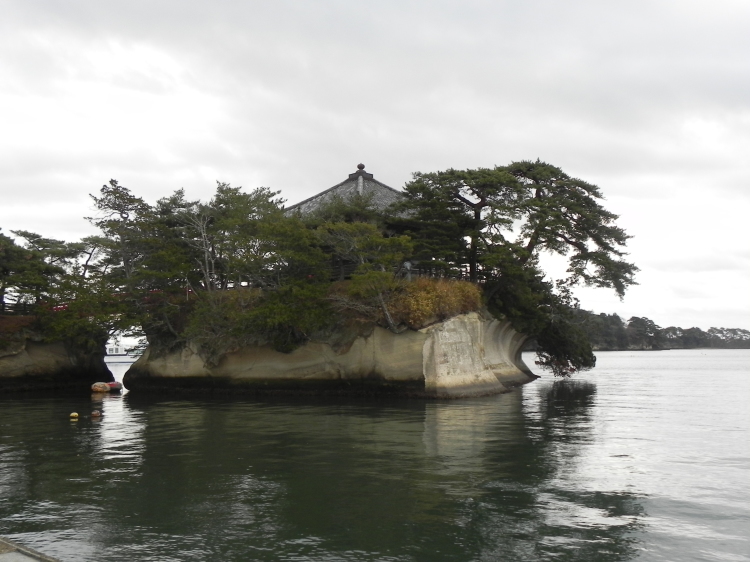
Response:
column 27, row 363
column 467, row 355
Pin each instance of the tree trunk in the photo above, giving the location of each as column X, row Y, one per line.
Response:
column 388, row 318
column 473, row 249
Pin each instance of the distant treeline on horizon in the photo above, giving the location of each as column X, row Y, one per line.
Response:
column 610, row 332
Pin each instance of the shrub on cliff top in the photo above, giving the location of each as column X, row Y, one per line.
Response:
column 426, row 300
column 414, row 304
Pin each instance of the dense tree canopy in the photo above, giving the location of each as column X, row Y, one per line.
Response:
column 610, row 332
column 491, row 225
column 474, row 221
column 238, row 269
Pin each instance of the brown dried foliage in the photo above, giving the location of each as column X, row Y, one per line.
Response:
column 14, row 324
column 414, row 304
column 426, row 300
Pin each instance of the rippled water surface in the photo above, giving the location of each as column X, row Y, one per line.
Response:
column 645, row 458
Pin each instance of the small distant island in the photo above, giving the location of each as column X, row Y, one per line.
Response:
column 350, row 279
column 609, row 332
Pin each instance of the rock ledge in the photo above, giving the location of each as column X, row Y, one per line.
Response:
column 467, row 355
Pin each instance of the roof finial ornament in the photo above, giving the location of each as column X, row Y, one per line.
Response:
column 360, row 173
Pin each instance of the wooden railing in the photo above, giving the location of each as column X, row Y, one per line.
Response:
column 17, row 308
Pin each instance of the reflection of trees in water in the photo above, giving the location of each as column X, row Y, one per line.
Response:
column 552, row 515
column 562, row 415
column 321, row 478
column 566, row 398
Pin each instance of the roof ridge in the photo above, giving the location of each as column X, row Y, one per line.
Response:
column 317, row 195
column 350, row 179
column 384, row 185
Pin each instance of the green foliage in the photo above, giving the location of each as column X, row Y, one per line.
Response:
column 84, row 314
column 604, row 331
column 562, row 215
column 450, row 214
column 463, row 217
column 563, row 347
column 153, row 256
column 610, row 332
column 727, row 338
column 363, row 243
column 545, row 312
column 232, row 270
column 29, row 273
column 368, row 284
column 284, row 318
column 288, row 316
column 374, row 258
column 13, row 260
column 238, row 269
column 492, row 224
column 644, row 333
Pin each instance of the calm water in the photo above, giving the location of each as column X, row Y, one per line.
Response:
column 645, row 458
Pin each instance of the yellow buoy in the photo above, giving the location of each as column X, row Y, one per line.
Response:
column 74, row 416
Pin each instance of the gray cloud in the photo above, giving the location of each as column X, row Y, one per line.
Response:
column 650, row 100
column 700, row 263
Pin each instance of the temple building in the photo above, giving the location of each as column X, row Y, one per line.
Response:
column 360, row 183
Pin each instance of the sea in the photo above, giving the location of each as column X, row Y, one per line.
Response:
column 645, row 457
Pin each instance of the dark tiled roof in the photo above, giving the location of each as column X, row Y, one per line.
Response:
column 360, row 182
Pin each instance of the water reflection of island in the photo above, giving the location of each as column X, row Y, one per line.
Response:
column 490, row 478
column 477, row 476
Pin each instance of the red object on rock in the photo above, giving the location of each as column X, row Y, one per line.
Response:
column 106, row 386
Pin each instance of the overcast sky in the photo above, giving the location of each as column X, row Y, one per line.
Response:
column 650, row 100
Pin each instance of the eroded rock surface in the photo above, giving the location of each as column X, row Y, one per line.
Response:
column 26, row 363
column 468, row 355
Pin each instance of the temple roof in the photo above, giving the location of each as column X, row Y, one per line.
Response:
column 358, row 183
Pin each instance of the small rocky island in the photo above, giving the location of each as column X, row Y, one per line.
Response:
column 427, row 291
